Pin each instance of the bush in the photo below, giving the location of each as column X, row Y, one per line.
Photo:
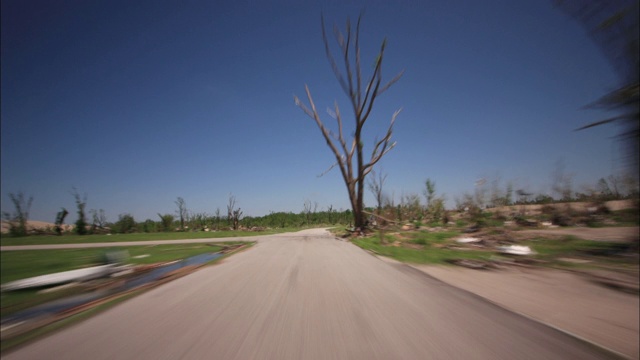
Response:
column 125, row 224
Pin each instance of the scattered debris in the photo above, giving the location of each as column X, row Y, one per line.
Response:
column 516, row 250
column 471, row 229
column 574, row 261
column 467, row 240
column 471, row 264
column 60, row 278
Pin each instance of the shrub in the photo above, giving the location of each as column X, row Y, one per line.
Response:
column 125, row 224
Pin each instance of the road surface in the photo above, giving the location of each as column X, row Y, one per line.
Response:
column 306, row 296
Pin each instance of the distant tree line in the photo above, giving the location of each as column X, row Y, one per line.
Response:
column 409, row 208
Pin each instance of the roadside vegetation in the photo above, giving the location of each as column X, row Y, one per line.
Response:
column 76, row 239
column 16, row 265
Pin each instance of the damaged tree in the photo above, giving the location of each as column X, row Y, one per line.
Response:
column 233, row 215
column 362, row 96
column 20, row 217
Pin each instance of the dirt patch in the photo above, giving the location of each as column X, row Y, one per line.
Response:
column 35, row 225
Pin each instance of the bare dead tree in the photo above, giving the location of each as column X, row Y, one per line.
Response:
column 182, row 211
column 307, row 211
column 99, row 219
column 233, row 215
column 362, row 96
column 375, row 185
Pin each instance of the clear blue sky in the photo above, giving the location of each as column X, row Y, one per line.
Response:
column 138, row 102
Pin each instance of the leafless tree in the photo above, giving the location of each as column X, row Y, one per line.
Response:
column 362, row 92
column 307, row 210
column 99, row 219
column 562, row 182
column 376, row 183
column 233, row 215
column 182, row 211
column 217, row 218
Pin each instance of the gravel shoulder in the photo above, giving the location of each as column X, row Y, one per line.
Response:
column 561, row 299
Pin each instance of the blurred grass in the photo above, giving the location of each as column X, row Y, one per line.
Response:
column 431, row 248
column 426, row 255
column 6, row 240
column 17, row 265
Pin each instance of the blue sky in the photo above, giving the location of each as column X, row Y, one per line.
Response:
column 136, row 103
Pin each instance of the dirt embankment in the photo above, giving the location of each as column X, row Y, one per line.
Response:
column 35, row 225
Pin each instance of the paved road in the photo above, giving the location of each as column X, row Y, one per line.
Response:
column 306, row 296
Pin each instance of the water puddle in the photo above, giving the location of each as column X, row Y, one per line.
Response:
column 61, row 305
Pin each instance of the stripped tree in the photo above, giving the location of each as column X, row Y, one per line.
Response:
column 20, row 217
column 362, row 96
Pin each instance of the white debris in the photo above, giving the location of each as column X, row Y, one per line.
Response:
column 141, row 256
column 60, row 278
column 466, row 240
column 516, row 250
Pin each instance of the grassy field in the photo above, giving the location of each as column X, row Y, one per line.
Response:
column 418, row 247
column 6, row 240
column 423, row 247
column 15, row 265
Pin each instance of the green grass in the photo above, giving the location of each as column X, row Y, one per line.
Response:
column 626, row 217
column 548, row 250
column 428, row 238
column 571, row 246
column 77, row 239
column 427, row 255
column 17, row 265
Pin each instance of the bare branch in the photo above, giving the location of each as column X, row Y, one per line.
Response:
column 345, row 50
column 391, row 82
column 376, row 77
column 332, row 61
column 313, row 113
column 601, row 122
column 329, row 169
column 383, row 146
column 358, row 68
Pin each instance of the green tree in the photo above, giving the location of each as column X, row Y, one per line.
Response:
column 362, row 96
column 60, row 220
column 166, row 222
column 125, row 224
column 430, row 191
column 81, row 203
